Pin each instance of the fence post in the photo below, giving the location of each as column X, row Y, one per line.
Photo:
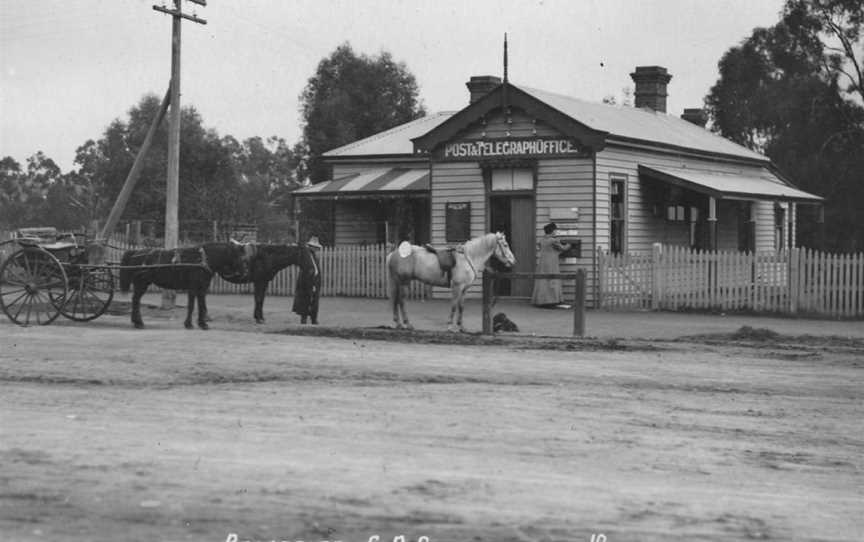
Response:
column 487, row 303
column 792, row 279
column 601, row 277
column 656, row 275
column 579, row 305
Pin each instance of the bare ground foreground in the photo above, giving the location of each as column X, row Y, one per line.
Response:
column 109, row 433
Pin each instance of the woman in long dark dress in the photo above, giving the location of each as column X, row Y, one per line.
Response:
column 308, row 288
column 548, row 292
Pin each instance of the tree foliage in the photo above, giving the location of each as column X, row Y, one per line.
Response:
column 221, row 179
column 27, row 195
column 787, row 92
column 351, row 97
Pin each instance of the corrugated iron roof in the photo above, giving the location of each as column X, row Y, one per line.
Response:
column 374, row 181
column 760, row 184
column 643, row 124
column 396, row 140
column 624, row 122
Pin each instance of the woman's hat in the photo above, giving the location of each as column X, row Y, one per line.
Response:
column 550, row 227
column 313, row 242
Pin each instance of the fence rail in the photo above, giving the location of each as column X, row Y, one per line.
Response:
column 797, row 281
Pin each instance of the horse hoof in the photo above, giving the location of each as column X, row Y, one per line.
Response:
column 203, row 325
column 188, row 325
column 138, row 325
column 259, row 320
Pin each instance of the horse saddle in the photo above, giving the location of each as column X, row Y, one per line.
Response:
column 446, row 258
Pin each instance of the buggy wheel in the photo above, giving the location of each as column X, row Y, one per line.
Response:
column 31, row 280
column 89, row 293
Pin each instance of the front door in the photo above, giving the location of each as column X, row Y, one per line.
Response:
column 514, row 215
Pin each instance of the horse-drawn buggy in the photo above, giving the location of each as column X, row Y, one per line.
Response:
column 49, row 274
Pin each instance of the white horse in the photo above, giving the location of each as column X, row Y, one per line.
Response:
column 411, row 262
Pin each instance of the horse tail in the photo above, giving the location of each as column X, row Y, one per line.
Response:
column 126, row 271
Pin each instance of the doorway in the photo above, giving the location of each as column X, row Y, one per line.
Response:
column 514, row 215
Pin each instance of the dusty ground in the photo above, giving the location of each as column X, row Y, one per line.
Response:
column 107, row 433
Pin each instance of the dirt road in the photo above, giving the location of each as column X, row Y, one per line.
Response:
column 107, row 433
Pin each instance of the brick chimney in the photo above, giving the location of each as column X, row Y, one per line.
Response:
column 695, row 115
column 651, row 84
column 481, row 85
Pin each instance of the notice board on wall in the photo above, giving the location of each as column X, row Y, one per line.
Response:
column 458, row 221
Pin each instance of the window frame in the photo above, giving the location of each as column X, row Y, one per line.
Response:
column 618, row 224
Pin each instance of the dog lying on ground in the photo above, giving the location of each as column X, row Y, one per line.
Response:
column 500, row 322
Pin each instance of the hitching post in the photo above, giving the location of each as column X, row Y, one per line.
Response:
column 487, row 302
column 579, row 305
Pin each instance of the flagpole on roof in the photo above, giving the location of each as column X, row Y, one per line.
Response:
column 504, row 89
column 505, row 57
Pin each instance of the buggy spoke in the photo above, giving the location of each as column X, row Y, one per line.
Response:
column 70, row 304
column 16, row 275
column 25, row 304
column 27, row 267
column 11, row 306
column 12, row 303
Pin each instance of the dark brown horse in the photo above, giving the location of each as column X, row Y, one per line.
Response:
column 265, row 261
column 189, row 269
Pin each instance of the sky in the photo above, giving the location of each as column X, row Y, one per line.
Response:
column 69, row 68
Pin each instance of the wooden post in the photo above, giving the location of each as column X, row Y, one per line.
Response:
column 487, row 303
column 173, row 177
column 579, row 305
column 712, row 223
column 790, row 225
column 656, row 275
column 820, row 228
column 600, row 281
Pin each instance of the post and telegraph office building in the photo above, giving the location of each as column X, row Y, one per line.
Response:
column 613, row 178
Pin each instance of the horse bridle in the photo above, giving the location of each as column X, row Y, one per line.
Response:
column 499, row 244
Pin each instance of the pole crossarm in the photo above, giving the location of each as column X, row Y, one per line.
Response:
column 178, row 13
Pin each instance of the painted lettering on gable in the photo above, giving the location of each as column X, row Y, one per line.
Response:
column 510, row 147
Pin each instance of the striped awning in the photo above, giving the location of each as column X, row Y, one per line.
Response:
column 386, row 181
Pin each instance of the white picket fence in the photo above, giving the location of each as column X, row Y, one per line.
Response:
column 797, row 281
column 349, row 270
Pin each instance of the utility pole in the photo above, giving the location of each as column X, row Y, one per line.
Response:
column 173, row 177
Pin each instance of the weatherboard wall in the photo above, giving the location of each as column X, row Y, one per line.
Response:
column 643, row 227
column 564, row 195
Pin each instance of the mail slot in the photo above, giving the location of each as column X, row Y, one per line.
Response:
column 575, row 250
